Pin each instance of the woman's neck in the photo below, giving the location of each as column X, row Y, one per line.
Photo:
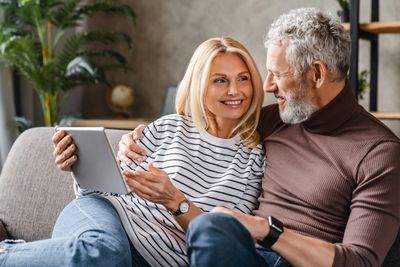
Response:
column 221, row 129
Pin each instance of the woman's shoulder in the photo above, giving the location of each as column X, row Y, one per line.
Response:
column 174, row 123
column 255, row 150
column 175, row 120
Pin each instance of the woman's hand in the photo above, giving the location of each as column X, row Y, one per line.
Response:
column 155, row 186
column 128, row 149
column 64, row 150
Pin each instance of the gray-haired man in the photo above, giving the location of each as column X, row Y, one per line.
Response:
column 331, row 182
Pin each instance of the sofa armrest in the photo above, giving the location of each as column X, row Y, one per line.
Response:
column 3, row 232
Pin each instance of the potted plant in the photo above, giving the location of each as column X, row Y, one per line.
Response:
column 344, row 13
column 363, row 83
column 33, row 39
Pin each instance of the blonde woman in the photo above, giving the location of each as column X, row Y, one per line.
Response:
column 206, row 155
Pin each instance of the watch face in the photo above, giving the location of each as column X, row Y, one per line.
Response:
column 184, row 207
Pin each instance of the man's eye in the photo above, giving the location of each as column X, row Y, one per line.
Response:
column 276, row 75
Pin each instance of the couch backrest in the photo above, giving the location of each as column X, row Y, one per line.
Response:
column 32, row 190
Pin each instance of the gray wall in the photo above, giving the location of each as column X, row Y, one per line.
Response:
column 168, row 31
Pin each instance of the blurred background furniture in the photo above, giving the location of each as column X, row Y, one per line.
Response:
column 168, row 107
column 169, row 100
column 369, row 31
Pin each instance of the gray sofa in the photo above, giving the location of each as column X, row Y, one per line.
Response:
column 33, row 191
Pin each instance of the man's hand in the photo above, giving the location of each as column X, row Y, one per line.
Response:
column 297, row 249
column 155, row 186
column 257, row 226
column 128, row 149
column 64, row 150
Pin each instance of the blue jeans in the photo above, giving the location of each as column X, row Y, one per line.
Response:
column 218, row 239
column 88, row 232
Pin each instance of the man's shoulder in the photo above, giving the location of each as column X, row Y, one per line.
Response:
column 269, row 120
column 371, row 127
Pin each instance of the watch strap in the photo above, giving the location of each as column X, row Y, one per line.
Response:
column 179, row 210
column 275, row 230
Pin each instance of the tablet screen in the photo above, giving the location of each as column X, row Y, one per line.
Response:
column 96, row 167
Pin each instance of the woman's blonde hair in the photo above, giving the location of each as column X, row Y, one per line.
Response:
column 191, row 90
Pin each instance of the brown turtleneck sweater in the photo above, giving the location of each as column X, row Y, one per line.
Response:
column 335, row 177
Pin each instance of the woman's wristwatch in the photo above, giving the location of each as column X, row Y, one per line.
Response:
column 182, row 208
column 275, row 230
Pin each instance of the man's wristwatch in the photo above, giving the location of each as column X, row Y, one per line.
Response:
column 182, row 208
column 275, row 230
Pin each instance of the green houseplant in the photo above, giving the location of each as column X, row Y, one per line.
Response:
column 363, row 84
column 33, row 39
column 344, row 13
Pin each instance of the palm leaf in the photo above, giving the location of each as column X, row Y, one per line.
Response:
column 29, row 40
column 82, row 69
column 75, row 44
column 107, row 67
column 66, row 16
column 29, row 13
column 107, row 53
column 20, row 51
column 10, row 15
column 107, row 7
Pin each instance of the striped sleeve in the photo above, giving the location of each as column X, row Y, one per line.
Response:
column 249, row 200
column 152, row 137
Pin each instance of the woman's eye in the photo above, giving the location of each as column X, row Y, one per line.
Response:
column 219, row 80
column 244, row 78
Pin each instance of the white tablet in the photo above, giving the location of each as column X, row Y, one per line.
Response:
column 96, row 167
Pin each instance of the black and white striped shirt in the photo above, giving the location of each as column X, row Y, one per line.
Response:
column 210, row 171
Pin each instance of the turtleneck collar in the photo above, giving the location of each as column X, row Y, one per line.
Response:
column 334, row 114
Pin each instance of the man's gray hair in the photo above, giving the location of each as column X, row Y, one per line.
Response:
column 312, row 35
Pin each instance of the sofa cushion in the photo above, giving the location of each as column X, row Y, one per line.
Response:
column 33, row 191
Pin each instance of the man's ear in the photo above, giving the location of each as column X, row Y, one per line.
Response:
column 319, row 75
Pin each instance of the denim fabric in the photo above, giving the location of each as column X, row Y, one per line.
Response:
column 272, row 258
column 218, row 239
column 88, row 232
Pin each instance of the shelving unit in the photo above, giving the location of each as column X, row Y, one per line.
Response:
column 377, row 27
column 386, row 115
column 369, row 31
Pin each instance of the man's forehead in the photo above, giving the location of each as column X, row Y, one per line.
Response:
column 276, row 57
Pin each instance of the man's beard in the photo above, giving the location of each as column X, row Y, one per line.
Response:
column 297, row 109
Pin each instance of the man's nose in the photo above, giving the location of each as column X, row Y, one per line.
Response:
column 269, row 84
